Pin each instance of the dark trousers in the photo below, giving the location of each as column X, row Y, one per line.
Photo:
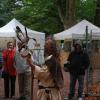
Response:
column 9, row 86
column 73, row 79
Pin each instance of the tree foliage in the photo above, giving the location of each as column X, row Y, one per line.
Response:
column 6, row 7
column 66, row 10
column 73, row 10
column 48, row 16
column 85, row 9
column 97, row 13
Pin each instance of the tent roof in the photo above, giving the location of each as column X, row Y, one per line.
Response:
column 37, row 45
column 9, row 29
column 78, row 31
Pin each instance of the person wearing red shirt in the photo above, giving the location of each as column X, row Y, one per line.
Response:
column 9, row 70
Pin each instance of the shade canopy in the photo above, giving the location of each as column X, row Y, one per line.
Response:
column 9, row 30
column 78, row 31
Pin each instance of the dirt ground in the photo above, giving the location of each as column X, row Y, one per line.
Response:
column 65, row 90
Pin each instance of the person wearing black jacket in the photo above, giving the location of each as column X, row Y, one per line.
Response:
column 79, row 62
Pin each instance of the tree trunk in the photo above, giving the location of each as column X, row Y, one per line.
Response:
column 97, row 16
column 66, row 9
column 70, row 14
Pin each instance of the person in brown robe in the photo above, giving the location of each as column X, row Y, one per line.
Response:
column 49, row 75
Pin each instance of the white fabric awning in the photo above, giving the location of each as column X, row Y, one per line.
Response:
column 78, row 31
column 9, row 31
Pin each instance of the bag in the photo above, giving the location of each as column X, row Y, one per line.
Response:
column 1, row 72
column 1, row 66
column 4, row 74
column 66, row 66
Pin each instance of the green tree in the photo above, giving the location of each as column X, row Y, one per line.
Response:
column 40, row 16
column 66, row 10
column 97, row 13
column 6, row 8
column 71, row 11
column 85, row 9
column 50, row 16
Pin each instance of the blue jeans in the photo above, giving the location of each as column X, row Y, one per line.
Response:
column 73, row 79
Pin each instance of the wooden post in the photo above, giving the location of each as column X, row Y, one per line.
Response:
column 87, row 53
column 32, row 83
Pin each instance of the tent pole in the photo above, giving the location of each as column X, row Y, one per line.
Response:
column 32, row 83
column 86, row 38
column 91, row 56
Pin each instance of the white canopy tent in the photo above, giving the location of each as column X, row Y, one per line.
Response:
column 8, row 31
column 78, row 31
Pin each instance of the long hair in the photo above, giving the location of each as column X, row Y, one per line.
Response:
column 51, row 49
column 8, row 43
column 53, row 64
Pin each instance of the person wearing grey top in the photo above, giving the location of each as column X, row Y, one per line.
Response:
column 24, row 74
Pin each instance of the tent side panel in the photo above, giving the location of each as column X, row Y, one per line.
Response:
column 4, row 40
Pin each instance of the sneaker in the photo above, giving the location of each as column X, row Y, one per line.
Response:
column 6, row 97
column 21, row 98
column 12, row 96
column 80, row 99
column 67, row 98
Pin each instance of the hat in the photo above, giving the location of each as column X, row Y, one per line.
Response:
column 78, row 42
